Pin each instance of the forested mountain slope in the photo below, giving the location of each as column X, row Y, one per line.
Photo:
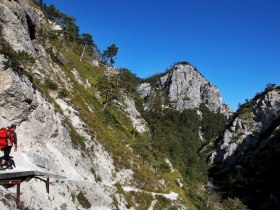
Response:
column 247, row 152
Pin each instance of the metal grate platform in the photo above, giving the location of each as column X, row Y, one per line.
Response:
column 10, row 178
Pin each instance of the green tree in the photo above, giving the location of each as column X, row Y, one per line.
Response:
column 107, row 87
column 233, row 204
column 270, row 86
column 41, row 3
column 127, row 80
column 88, row 44
column 44, row 6
column 88, row 40
column 71, row 30
column 212, row 123
column 109, row 54
column 53, row 13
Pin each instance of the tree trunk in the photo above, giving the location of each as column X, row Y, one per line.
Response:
column 82, row 55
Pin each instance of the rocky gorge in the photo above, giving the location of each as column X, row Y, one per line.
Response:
column 246, row 151
column 121, row 142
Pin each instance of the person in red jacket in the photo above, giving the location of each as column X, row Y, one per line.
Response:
column 12, row 140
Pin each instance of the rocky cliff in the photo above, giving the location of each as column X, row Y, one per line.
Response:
column 61, row 125
column 254, row 119
column 44, row 140
column 185, row 88
column 246, row 151
column 83, row 120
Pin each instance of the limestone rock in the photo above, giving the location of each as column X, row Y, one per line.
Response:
column 79, row 79
column 54, row 26
column 46, row 123
column 244, row 130
column 53, row 151
column 60, row 57
column 186, row 88
column 44, row 140
column 179, row 183
column 20, row 24
column 94, row 62
column 138, row 122
column 145, row 91
column 17, row 97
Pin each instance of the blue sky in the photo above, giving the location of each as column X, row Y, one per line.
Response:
column 235, row 44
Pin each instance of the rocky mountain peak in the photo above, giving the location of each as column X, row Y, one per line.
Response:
column 254, row 118
column 186, row 88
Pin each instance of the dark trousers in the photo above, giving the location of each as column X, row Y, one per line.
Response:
column 7, row 151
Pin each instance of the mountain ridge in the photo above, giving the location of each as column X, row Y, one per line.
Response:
column 122, row 142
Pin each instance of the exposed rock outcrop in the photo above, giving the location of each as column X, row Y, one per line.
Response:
column 186, row 88
column 138, row 122
column 53, row 151
column 44, row 139
column 46, row 123
column 20, row 25
column 247, row 153
column 17, row 97
column 245, row 129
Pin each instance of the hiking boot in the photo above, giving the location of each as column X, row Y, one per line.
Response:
column 2, row 168
column 9, row 167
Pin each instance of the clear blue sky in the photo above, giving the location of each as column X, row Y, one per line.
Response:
column 235, row 44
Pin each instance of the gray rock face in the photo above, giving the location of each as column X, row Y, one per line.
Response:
column 44, row 140
column 44, row 126
column 267, row 108
column 45, row 145
column 17, row 99
column 60, row 57
column 186, row 89
column 146, row 92
column 245, row 129
column 20, row 25
column 137, row 121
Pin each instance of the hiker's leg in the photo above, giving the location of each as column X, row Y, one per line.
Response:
column 8, row 157
column 2, row 165
column 5, row 158
column 7, row 151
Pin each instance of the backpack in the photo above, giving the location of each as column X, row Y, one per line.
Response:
column 4, row 136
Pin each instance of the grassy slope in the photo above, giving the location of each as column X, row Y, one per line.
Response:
column 111, row 127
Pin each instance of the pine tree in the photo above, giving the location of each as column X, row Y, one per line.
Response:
column 88, row 44
column 107, row 55
column 41, row 4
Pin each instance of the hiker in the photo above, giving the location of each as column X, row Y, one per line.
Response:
column 11, row 140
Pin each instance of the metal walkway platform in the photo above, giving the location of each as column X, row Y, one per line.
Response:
column 10, row 174
column 9, row 178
